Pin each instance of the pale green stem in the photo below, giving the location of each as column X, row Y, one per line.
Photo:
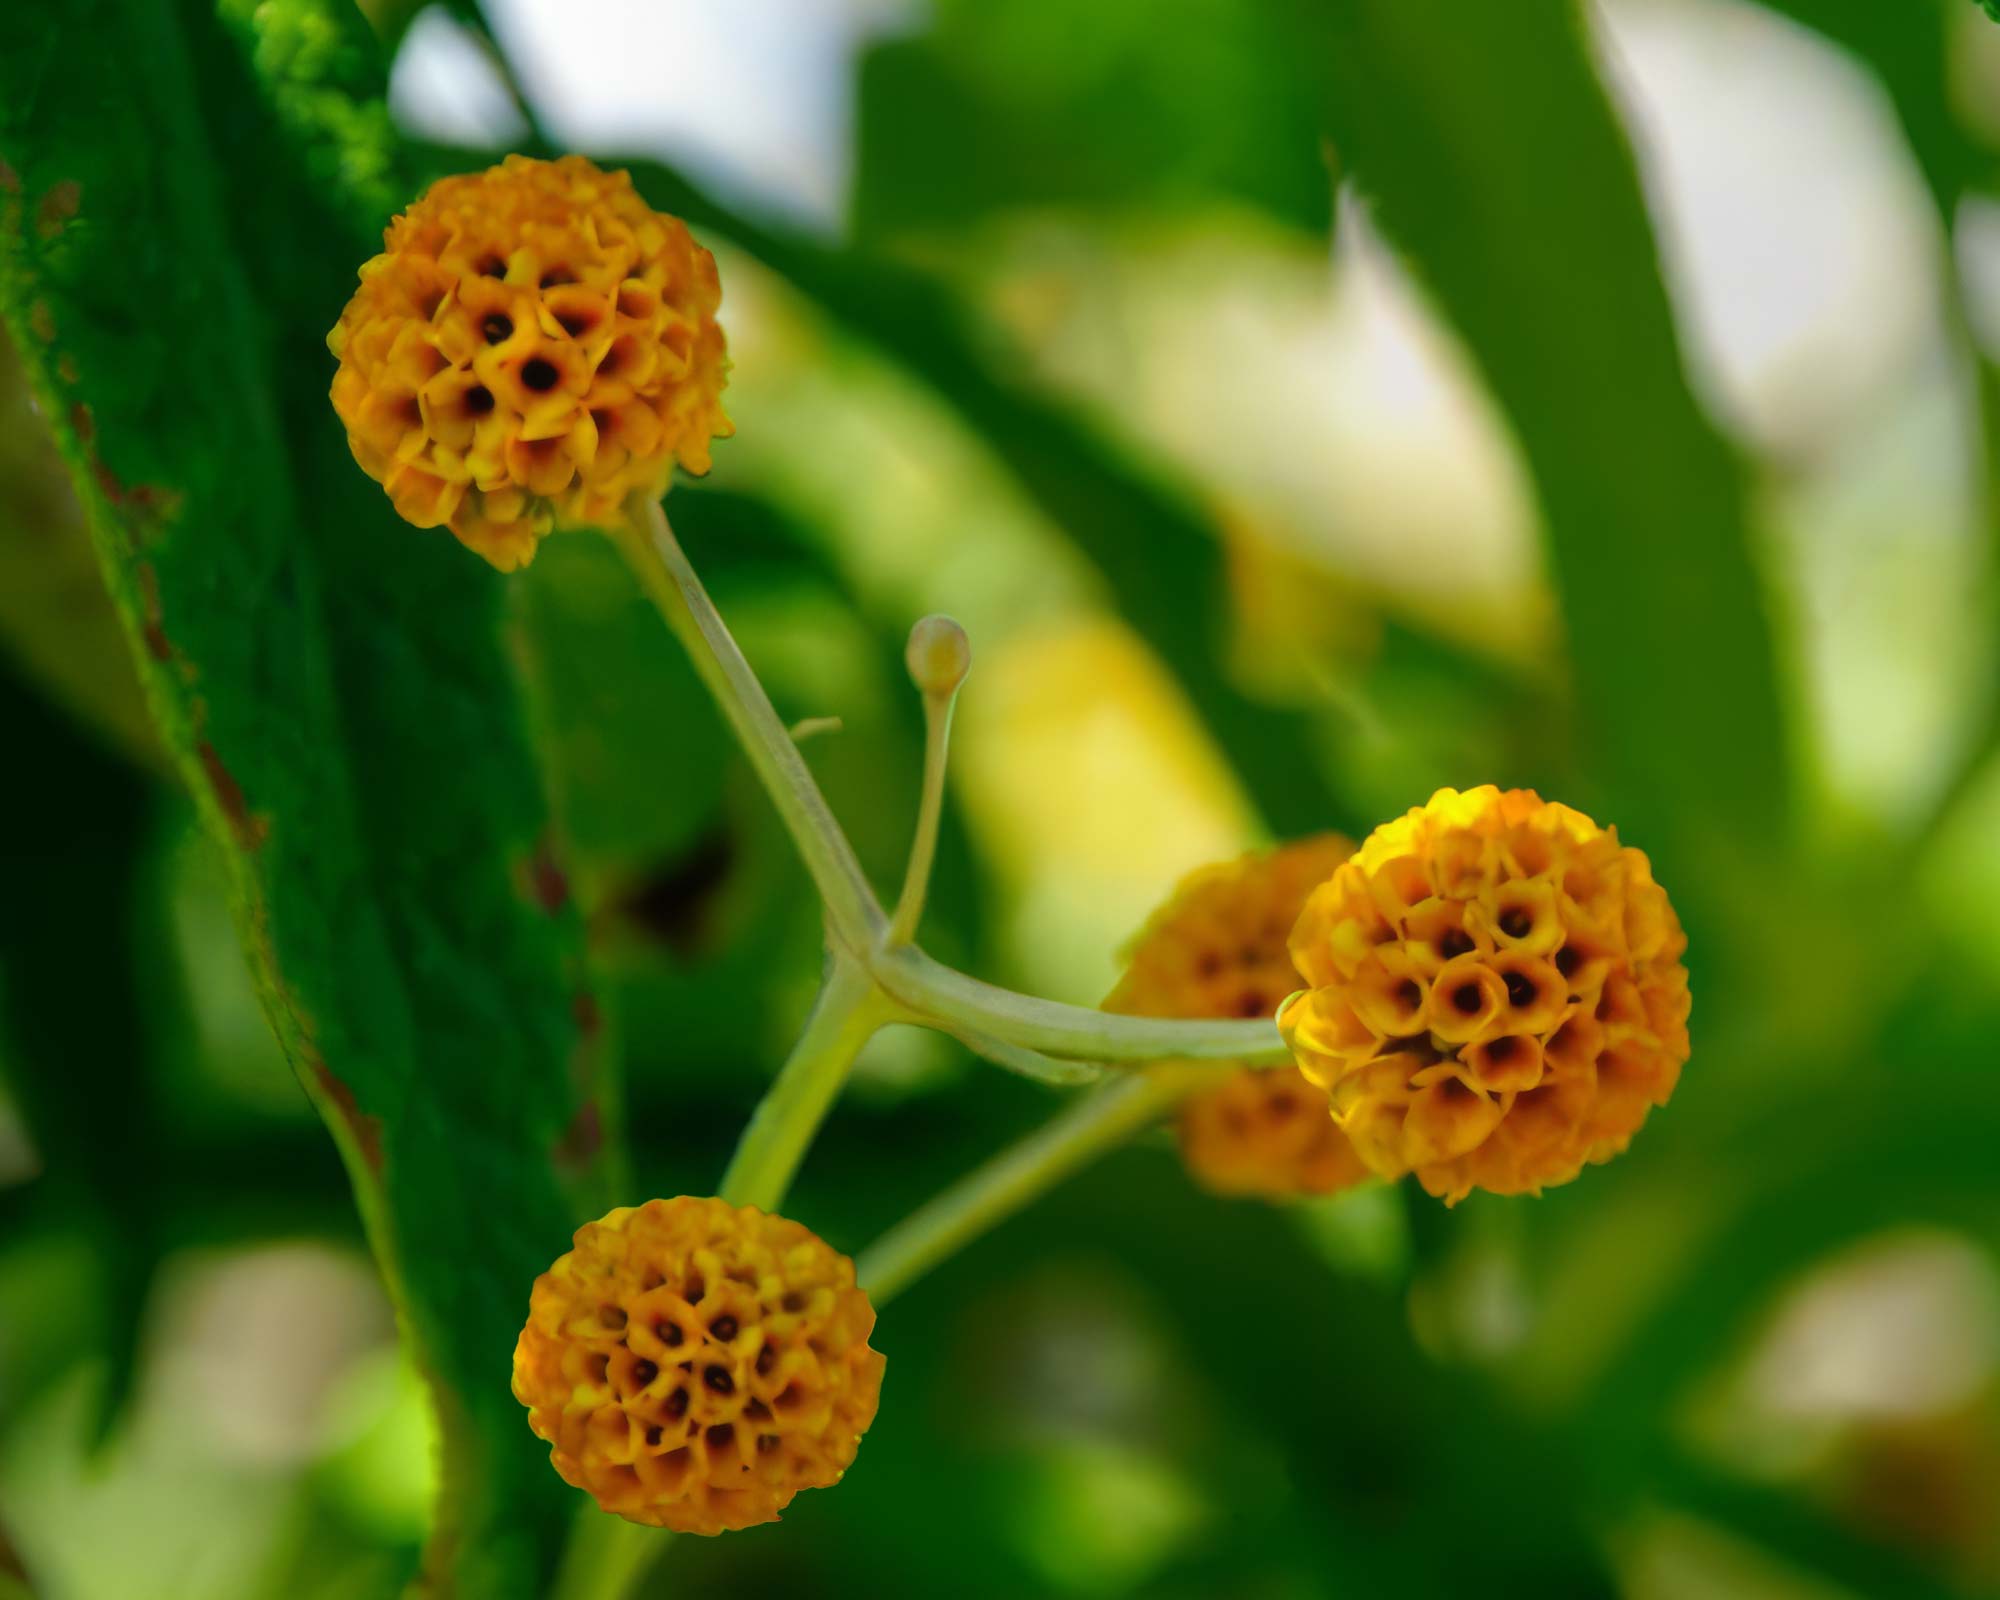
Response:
column 849, row 1011
column 606, row 1557
column 951, row 1000
column 876, row 977
column 930, row 808
column 1094, row 1123
column 656, row 558
column 1015, row 1058
column 931, row 991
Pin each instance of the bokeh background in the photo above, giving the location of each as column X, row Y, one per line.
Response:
column 1302, row 407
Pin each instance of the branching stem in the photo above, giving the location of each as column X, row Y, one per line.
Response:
column 1094, row 1123
column 928, row 992
column 656, row 557
column 849, row 1012
column 877, row 975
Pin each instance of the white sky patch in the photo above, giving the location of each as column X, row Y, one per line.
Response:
column 754, row 98
column 445, row 88
column 1798, row 239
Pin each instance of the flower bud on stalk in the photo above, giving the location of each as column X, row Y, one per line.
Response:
column 938, row 656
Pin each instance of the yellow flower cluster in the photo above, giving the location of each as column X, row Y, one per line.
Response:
column 1217, row 949
column 533, row 345
column 695, row 1364
column 1495, row 994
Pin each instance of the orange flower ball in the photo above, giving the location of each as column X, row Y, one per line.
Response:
column 696, row 1364
column 533, row 345
column 1495, row 994
column 1217, row 949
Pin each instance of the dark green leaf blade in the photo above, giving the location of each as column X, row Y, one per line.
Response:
column 330, row 681
column 1129, row 104
column 1496, row 165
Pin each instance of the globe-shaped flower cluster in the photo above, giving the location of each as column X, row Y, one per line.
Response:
column 533, row 345
column 1217, row 949
column 694, row 1364
column 1495, row 994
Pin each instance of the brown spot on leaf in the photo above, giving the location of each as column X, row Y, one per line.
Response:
column 366, row 1130
column 547, row 884
column 66, row 369
column 61, row 203
column 587, row 1014
column 250, row 829
column 81, row 423
column 156, row 504
column 152, row 627
column 42, row 322
column 158, row 645
column 582, row 1139
column 10, row 180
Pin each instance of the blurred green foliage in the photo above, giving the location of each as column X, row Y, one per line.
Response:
column 992, row 108
column 433, row 795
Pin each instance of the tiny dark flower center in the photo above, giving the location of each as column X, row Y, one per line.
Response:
column 1520, row 991
column 497, row 327
column 1467, row 998
column 539, row 374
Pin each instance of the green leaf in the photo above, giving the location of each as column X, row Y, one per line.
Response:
column 1120, row 104
column 328, row 679
column 1495, row 164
